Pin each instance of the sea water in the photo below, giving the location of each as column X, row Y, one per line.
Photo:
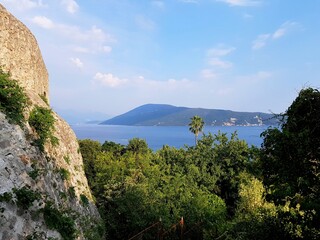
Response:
column 157, row 136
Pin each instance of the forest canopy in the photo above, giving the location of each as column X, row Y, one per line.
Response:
column 221, row 188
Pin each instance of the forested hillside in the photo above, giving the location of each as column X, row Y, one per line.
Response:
column 167, row 115
column 218, row 189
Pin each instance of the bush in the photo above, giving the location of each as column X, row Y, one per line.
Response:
column 64, row 174
column 72, row 192
column 84, row 199
column 26, row 196
column 13, row 99
column 42, row 120
column 59, row 221
column 44, row 98
column 6, row 197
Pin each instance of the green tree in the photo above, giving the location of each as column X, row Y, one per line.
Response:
column 115, row 148
column 89, row 150
column 196, row 126
column 290, row 161
column 138, row 146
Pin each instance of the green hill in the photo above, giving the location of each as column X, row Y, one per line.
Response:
column 167, row 115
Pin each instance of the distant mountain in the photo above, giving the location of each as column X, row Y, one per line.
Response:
column 79, row 117
column 167, row 115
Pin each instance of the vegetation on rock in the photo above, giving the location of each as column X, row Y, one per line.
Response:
column 13, row 99
column 58, row 220
column 42, row 120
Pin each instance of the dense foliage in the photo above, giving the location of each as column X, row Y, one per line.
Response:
column 218, row 189
column 42, row 120
column 13, row 100
column 291, row 163
column 60, row 221
column 135, row 187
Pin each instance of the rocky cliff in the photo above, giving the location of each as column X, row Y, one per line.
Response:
column 20, row 54
column 43, row 194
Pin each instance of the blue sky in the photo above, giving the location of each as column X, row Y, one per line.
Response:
column 110, row 56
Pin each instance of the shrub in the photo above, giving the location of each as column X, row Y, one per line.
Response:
column 84, row 199
column 59, row 221
column 6, row 197
column 64, row 173
column 13, row 99
column 42, row 120
column 44, row 98
column 72, row 192
column 67, row 159
column 26, row 196
column 34, row 173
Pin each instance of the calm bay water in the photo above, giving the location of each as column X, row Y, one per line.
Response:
column 157, row 136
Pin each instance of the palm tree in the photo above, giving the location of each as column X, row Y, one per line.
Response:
column 196, row 126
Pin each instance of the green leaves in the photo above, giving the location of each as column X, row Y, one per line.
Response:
column 42, row 120
column 13, row 99
column 135, row 187
column 196, row 126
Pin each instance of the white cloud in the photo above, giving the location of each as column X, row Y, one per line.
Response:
column 81, row 49
column 43, row 22
column 158, row 4
column 208, row 74
column 283, row 30
column 241, row 3
column 23, row 5
column 109, row 80
column 261, row 41
column 214, row 59
column 140, row 83
column 70, row 5
column 93, row 40
column 106, row 49
column 220, row 51
column 144, row 23
column 170, row 84
column 217, row 62
column 77, row 62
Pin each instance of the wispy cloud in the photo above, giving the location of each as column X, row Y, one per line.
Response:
column 158, row 4
column 106, row 49
column 43, row 22
column 140, row 83
column 260, row 41
column 208, row 74
column 144, row 23
column 241, row 3
column 220, row 51
column 91, row 40
column 23, row 5
column 77, row 62
column 70, row 5
column 109, row 80
column 283, row 30
column 217, row 62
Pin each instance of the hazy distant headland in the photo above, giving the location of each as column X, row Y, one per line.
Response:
column 168, row 115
